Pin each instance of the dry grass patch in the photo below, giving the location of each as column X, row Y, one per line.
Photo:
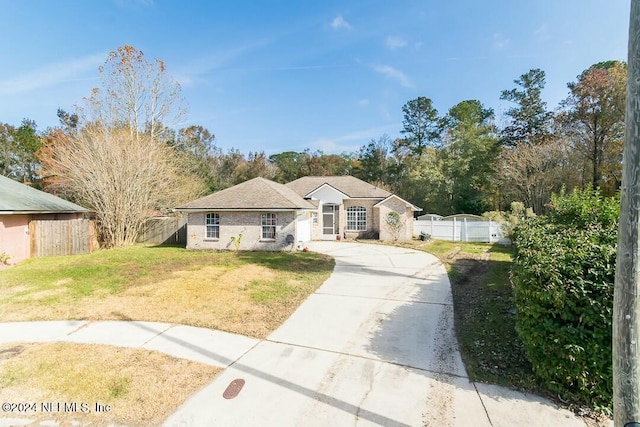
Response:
column 248, row 293
column 141, row 387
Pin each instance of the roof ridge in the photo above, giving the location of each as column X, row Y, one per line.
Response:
column 284, row 191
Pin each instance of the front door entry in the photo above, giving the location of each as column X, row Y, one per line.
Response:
column 329, row 221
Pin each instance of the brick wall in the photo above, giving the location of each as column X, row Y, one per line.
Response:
column 232, row 224
column 395, row 205
column 373, row 223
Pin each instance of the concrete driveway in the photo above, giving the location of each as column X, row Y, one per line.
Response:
column 373, row 346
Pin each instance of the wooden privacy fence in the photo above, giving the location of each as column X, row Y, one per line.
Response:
column 164, row 230
column 462, row 231
column 60, row 237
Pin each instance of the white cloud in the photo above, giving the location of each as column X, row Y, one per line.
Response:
column 352, row 141
column 395, row 42
column 325, row 145
column 339, row 23
column 53, row 74
column 394, row 74
column 500, row 41
column 542, row 32
column 194, row 71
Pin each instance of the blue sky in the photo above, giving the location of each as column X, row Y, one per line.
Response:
column 327, row 75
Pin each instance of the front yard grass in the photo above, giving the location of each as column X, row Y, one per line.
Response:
column 249, row 293
column 65, row 381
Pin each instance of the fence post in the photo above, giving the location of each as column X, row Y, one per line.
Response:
column 490, row 232
column 466, row 230
column 454, row 230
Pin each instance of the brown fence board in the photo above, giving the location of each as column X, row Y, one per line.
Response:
column 164, row 230
column 59, row 237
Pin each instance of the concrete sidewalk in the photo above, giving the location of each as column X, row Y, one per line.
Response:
column 207, row 346
column 374, row 345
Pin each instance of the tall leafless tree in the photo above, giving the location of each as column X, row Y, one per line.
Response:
column 116, row 159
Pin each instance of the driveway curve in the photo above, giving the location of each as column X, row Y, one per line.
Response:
column 374, row 345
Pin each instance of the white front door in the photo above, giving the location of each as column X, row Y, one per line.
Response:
column 304, row 227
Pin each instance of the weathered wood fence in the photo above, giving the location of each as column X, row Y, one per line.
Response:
column 164, row 230
column 60, row 237
column 462, row 231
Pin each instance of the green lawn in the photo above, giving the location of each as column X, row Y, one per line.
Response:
column 246, row 292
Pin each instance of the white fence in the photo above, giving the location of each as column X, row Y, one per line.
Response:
column 462, row 231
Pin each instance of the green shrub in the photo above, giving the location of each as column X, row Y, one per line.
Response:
column 510, row 219
column 563, row 278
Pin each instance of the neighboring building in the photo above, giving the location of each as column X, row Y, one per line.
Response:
column 266, row 215
column 429, row 217
column 19, row 206
column 463, row 217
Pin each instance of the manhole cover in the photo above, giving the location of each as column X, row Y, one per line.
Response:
column 233, row 389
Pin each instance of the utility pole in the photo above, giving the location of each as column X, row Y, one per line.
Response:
column 626, row 301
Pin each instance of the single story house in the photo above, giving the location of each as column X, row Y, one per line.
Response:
column 260, row 214
column 429, row 217
column 19, row 206
column 352, row 208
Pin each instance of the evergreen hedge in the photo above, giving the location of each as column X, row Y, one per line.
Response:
column 563, row 278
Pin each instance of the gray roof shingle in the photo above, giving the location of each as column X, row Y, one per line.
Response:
column 257, row 193
column 349, row 185
column 17, row 197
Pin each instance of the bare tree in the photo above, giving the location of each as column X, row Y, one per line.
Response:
column 115, row 156
column 530, row 173
column 136, row 93
column 123, row 179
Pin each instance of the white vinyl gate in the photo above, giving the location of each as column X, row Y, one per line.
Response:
column 462, row 231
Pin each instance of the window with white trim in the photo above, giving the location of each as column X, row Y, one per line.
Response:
column 212, row 224
column 356, row 218
column 268, row 223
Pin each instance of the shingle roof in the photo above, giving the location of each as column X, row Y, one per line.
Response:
column 257, row 193
column 17, row 197
column 349, row 185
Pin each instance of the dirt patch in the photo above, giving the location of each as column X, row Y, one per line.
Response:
column 9, row 352
column 64, row 382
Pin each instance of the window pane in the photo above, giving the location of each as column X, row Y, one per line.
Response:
column 212, row 222
column 268, row 221
column 356, row 218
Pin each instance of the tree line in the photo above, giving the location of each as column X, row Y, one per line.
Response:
column 118, row 153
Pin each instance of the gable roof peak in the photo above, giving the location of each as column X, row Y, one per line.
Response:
column 347, row 184
column 255, row 194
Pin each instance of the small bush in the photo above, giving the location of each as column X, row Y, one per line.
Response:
column 395, row 224
column 510, row 219
column 563, row 278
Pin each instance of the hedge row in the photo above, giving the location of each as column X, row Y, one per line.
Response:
column 563, row 277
